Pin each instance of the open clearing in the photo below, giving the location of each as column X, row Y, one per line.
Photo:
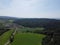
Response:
column 27, row 39
column 22, row 37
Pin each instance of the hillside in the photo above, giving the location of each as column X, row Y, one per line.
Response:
column 36, row 22
column 7, row 18
column 48, row 27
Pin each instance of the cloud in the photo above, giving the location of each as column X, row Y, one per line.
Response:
column 27, row 8
column 5, row 4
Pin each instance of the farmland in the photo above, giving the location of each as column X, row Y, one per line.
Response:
column 22, row 37
column 4, row 38
column 30, row 31
column 27, row 39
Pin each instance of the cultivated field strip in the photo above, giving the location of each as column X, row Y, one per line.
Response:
column 4, row 38
column 8, row 42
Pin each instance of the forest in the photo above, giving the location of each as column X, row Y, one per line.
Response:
column 45, row 26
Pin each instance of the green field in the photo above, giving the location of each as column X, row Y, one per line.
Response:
column 28, row 39
column 4, row 38
column 22, row 37
column 29, row 29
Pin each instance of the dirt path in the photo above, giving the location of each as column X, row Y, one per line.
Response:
column 9, row 41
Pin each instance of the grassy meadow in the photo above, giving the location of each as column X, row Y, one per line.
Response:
column 28, row 39
column 4, row 38
column 22, row 37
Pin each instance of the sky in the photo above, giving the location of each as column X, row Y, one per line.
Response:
column 30, row 8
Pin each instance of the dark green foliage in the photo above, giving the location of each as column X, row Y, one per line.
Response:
column 3, row 28
column 52, row 27
column 28, row 22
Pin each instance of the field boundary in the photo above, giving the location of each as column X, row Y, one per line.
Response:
column 13, row 34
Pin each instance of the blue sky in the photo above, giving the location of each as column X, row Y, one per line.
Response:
column 30, row 8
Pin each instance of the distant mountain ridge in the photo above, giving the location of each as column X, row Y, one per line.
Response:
column 7, row 18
